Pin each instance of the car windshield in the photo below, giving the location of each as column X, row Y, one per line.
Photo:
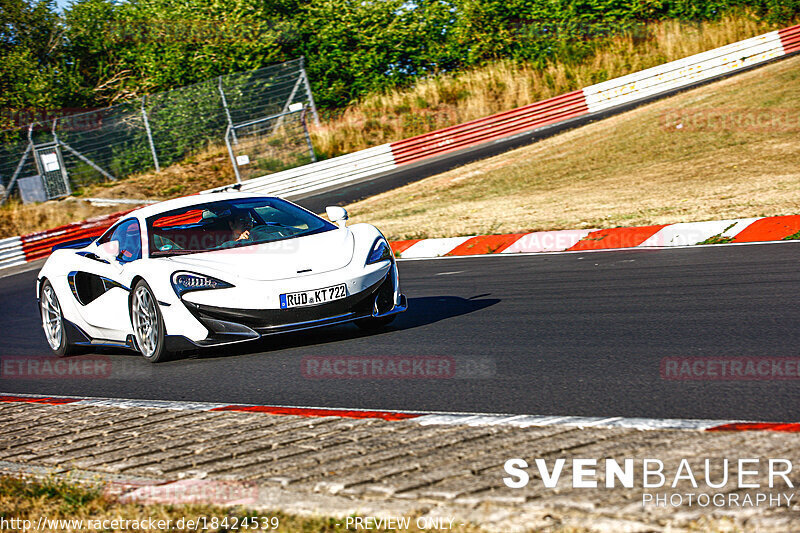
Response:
column 229, row 224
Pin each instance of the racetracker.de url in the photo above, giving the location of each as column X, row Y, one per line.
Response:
column 200, row 523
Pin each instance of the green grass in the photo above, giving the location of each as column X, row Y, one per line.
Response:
column 716, row 239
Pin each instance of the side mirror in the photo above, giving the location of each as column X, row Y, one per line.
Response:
column 109, row 250
column 337, row 215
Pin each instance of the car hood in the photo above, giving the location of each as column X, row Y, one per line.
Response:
column 312, row 254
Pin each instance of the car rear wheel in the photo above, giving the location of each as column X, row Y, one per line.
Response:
column 53, row 321
column 148, row 324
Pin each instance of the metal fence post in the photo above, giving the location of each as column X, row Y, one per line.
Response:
column 87, row 160
column 227, row 113
column 308, row 137
column 150, row 136
column 308, row 91
column 233, row 157
column 61, row 159
column 287, row 105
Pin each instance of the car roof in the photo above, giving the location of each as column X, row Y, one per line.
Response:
column 188, row 201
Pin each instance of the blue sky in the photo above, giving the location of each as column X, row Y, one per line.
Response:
column 62, row 4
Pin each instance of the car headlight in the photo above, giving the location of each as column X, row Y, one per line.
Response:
column 380, row 251
column 187, row 281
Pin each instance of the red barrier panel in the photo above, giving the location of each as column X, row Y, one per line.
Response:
column 39, row 245
column 44, row 247
column 498, row 126
column 790, row 39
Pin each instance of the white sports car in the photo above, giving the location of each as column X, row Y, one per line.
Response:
column 213, row 269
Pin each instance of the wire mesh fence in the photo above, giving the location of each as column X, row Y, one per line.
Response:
column 270, row 144
column 158, row 130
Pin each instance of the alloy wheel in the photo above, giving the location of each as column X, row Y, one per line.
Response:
column 145, row 321
column 51, row 317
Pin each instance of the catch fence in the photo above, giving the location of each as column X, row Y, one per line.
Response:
column 51, row 158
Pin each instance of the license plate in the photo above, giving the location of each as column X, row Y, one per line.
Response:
column 313, row 297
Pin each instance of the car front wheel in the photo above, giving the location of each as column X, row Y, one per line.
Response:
column 148, row 324
column 53, row 321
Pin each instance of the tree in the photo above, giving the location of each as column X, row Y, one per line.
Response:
column 35, row 73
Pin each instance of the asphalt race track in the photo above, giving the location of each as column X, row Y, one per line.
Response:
column 570, row 334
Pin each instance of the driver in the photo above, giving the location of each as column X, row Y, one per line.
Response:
column 240, row 224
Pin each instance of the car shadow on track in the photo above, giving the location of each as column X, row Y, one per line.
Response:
column 432, row 309
column 421, row 311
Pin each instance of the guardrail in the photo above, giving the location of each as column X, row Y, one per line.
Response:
column 595, row 99
column 322, row 175
column 790, row 39
column 685, row 72
column 40, row 245
column 491, row 128
column 373, row 162
column 11, row 252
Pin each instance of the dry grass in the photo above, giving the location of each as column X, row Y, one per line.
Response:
column 19, row 219
column 452, row 99
column 637, row 168
column 208, row 169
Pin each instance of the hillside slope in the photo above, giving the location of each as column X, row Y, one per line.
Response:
column 496, row 87
column 728, row 149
